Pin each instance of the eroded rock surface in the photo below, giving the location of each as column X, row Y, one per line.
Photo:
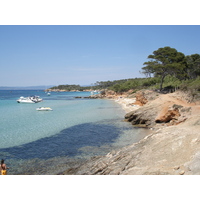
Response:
column 166, row 108
column 169, row 148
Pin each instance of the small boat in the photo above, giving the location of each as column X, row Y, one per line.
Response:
column 44, row 109
column 25, row 100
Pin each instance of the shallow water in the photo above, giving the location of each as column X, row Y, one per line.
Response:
column 34, row 142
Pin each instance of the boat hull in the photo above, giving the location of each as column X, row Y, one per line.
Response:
column 44, row 109
column 18, row 101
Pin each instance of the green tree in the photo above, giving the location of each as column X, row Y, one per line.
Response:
column 193, row 66
column 165, row 61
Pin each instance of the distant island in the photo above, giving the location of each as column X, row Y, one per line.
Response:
column 41, row 87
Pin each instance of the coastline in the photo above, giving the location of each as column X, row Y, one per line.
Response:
column 127, row 104
column 172, row 147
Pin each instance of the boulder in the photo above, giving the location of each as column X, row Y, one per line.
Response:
column 144, row 116
column 151, row 114
column 168, row 114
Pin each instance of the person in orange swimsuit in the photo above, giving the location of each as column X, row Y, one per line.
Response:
column 3, row 168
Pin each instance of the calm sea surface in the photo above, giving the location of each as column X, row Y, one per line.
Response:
column 48, row 142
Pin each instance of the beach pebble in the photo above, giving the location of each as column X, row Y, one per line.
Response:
column 182, row 172
column 176, row 168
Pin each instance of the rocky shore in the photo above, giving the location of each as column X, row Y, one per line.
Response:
column 172, row 147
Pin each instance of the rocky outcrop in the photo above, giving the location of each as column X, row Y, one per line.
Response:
column 170, row 150
column 144, row 116
column 140, row 99
column 107, row 94
column 166, row 150
column 144, row 96
column 162, row 109
column 167, row 114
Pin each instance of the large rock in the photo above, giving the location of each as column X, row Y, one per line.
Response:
column 168, row 113
column 161, row 109
column 143, row 116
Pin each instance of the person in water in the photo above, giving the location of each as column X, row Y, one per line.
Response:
column 3, row 168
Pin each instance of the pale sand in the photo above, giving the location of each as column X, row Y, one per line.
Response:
column 127, row 104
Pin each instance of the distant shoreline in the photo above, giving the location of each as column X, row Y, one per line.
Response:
column 42, row 87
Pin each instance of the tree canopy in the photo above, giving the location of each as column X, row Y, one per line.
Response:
column 193, row 66
column 165, row 61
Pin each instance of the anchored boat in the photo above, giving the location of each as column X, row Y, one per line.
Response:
column 31, row 99
column 25, row 100
column 44, row 109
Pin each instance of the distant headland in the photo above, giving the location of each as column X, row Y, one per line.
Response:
column 41, row 87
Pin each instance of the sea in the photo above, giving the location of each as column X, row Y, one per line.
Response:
column 50, row 142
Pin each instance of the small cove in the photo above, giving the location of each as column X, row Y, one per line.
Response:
column 49, row 142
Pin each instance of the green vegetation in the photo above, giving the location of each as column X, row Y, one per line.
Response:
column 67, row 87
column 165, row 61
column 167, row 70
column 174, row 68
column 137, row 84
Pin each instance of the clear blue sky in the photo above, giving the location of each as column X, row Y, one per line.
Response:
column 53, row 55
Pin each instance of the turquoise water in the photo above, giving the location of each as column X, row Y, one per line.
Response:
column 47, row 142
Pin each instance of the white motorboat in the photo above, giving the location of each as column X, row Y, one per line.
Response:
column 31, row 99
column 44, row 109
column 25, row 100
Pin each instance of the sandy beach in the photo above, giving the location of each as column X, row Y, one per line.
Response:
column 128, row 104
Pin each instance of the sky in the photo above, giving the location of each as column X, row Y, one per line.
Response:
column 84, row 54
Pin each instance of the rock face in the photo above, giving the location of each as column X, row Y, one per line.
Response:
column 167, row 150
column 144, row 116
column 163, row 109
column 168, row 114
column 140, row 99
